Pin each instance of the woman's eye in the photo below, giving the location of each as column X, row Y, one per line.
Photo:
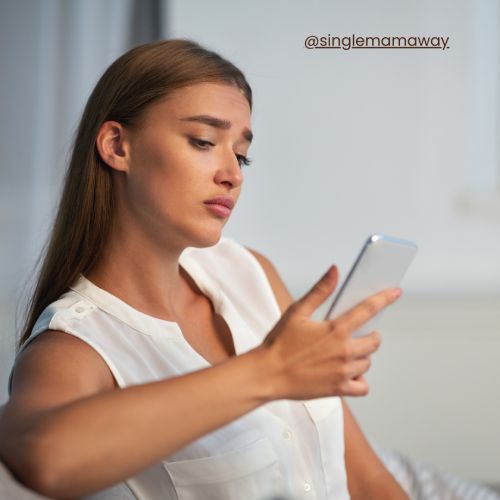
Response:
column 200, row 143
column 204, row 145
column 243, row 160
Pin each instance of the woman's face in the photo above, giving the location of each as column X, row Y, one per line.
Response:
column 189, row 148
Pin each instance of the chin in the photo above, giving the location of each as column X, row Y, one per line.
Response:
column 206, row 238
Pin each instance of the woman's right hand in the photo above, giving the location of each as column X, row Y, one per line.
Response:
column 314, row 359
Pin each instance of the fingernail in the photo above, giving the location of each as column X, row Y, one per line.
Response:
column 327, row 272
column 397, row 292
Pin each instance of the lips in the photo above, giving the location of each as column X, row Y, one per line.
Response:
column 225, row 201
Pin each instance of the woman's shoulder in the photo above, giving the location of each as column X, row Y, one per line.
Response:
column 55, row 335
column 52, row 355
column 69, row 305
column 281, row 292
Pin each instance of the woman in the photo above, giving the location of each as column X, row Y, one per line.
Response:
column 163, row 357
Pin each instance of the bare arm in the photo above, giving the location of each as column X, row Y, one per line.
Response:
column 64, row 436
column 367, row 475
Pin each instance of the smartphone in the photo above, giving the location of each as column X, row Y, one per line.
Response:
column 381, row 263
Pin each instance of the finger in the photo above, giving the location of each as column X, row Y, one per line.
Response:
column 357, row 367
column 361, row 313
column 356, row 387
column 366, row 345
column 333, row 348
column 307, row 304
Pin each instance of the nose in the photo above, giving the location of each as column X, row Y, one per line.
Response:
column 230, row 171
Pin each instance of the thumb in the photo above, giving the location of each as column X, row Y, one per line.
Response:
column 308, row 303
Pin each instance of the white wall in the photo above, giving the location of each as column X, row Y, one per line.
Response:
column 397, row 141
column 350, row 142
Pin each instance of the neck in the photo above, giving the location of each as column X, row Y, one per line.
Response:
column 145, row 276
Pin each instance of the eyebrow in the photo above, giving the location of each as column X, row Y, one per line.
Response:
column 217, row 123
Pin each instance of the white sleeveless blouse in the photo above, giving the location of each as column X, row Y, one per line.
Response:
column 283, row 449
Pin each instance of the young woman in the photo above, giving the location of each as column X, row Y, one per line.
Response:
column 159, row 358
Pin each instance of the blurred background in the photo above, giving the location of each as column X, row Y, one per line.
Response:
column 347, row 143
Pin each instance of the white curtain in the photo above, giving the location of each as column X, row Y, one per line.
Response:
column 52, row 52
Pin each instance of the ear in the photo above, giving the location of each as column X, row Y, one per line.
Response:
column 112, row 144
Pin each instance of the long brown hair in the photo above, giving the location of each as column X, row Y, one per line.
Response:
column 84, row 216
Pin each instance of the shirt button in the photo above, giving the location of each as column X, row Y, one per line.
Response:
column 79, row 309
column 286, row 434
column 307, row 487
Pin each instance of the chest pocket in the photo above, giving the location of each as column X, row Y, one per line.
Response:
column 251, row 472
